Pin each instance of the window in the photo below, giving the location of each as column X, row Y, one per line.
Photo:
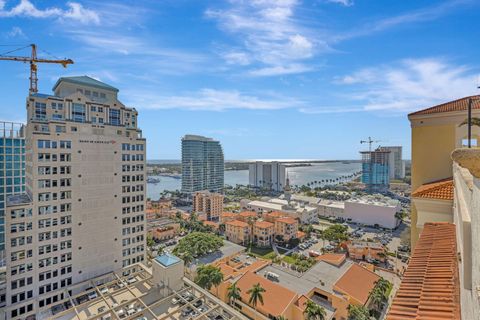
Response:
column 60, row 129
column 93, row 108
column 95, row 94
column 73, row 129
column 94, row 119
column 78, row 112
column 102, row 95
column 40, row 111
column 114, row 117
column 57, row 116
column 100, row 120
column 87, row 92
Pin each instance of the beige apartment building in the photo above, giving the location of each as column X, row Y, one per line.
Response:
column 263, row 232
column 209, row 204
column 238, row 232
column 287, row 228
column 83, row 211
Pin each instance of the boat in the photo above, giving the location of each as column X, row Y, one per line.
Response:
column 153, row 180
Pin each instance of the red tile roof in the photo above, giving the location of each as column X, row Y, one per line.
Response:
column 237, row 223
column 263, row 224
column 357, row 282
column 248, row 214
column 335, row 259
column 228, row 214
column 287, row 220
column 430, row 286
column 455, row 105
column 441, row 190
column 276, row 298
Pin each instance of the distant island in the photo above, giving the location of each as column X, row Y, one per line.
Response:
column 173, row 168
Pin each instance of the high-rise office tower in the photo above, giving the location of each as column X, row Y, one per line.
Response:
column 396, row 163
column 12, row 170
column 12, row 181
column 267, row 175
column 376, row 170
column 202, row 164
column 82, row 214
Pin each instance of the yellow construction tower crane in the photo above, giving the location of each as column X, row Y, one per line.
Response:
column 33, row 60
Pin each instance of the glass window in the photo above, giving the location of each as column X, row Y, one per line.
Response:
column 114, row 118
column 40, row 111
column 78, row 112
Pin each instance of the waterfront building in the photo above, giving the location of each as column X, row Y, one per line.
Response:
column 82, row 214
column 202, row 164
column 396, row 163
column 376, row 170
column 267, row 175
column 209, row 204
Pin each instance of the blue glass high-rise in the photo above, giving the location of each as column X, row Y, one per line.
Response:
column 12, row 170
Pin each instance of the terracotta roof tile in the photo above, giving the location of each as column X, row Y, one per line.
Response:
column 275, row 298
column 248, row 214
column 263, row 224
column 441, row 190
column 357, row 282
column 430, row 286
column 237, row 223
column 455, row 105
column 228, row 214
column 276, row 214
column 335, row 259
column 287, row 220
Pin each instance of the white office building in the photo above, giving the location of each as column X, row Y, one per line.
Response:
column 395, row 161
column 267, row 175
column 82, row 214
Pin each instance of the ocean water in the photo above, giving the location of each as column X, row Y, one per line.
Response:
column 298, row 176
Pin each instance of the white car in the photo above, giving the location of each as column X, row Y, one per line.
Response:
column 92, row 295
column 104, row 291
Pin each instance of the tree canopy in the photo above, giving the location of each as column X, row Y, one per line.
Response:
column 337, row 232
column 197, row 244
column 208, row 276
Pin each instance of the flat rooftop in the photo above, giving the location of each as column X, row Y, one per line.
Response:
column 228, row 249
column 322, row 275
column 135, row 296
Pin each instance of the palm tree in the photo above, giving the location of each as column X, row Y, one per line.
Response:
column 208, row 276
column 256, row 295
column 313, row 311
column 233, row 293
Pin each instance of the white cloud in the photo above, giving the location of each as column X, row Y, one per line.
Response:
column 75, row 12
column 280, row 70
column 420, row 15
column 15, row 32
column 411, row 84
column 346, row 3
column 211, row 100
column 237, row 58
column 269, row 34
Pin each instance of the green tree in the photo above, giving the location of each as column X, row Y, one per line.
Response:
column 208, row 276
column 233, row 293
column 337, row 232
column 313, row 311
column 256, row 295
column 150, row 241
column 356, row 312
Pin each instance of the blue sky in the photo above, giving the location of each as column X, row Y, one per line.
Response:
column 269, row 79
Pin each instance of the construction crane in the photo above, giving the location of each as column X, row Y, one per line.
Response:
column 369, row 141
column 33, row 60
